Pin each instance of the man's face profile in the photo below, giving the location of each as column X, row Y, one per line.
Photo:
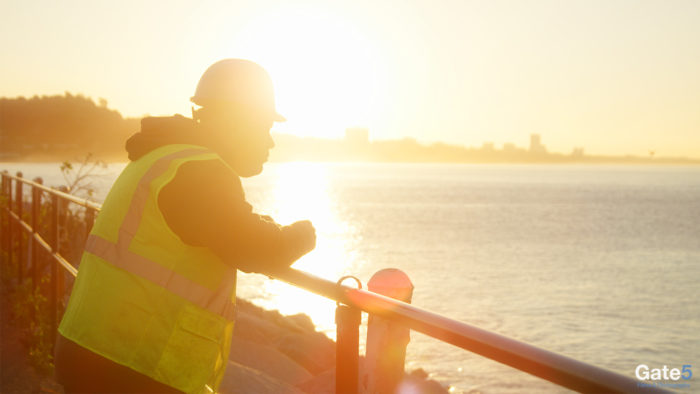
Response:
column 247, row 134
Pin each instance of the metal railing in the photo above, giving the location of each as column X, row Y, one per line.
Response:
column 14, row 225
column 556, row 368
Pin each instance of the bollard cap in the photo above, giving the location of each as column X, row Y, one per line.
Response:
column 392, row 282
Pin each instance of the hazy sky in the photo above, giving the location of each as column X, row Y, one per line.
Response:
column 615, row 77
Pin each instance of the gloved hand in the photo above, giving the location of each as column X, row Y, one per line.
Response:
column 299, row 239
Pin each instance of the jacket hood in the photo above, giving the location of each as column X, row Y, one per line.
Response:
column 160, row 131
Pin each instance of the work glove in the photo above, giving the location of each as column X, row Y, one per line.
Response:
column 299, row 239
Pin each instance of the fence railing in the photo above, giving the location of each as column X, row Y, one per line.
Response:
column 556, row 368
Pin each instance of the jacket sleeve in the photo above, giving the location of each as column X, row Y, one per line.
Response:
column 204, row 205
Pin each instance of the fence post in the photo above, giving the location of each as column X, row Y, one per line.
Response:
column 9, row 222
column 347, row 320
column 89, row 220
column 386, row 340
column 62, row 224
column 54, row 292
column 20, row 228
column 5, row 218
column 347, row 345
column 36, row 205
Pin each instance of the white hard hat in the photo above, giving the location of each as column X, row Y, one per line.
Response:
column 237, row 82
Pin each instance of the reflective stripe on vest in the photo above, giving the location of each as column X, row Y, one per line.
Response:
column 218, row 302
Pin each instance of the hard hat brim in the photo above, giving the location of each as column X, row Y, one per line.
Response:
column 202, row 103
column 278, row 118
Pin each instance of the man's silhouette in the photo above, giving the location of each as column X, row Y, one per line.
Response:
column 152, row 306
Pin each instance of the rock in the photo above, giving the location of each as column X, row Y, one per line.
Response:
column 323, row 383
column 314, row 351
column 256, row 329
column 286, row 323
column 268, row 360
column 418, row 382
column 299, row 322
column 244, row 380
column 419, row 374
column 243, row 305
column 302, row 320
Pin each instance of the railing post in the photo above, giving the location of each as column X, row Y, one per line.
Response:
column 347, row 320
column 62, row 222
column 20, row 229
column 89, row 220
column 10, row 223
column 5, row 218
column 36, row 205
column 386, row 340
column 54, row 293
column 347, row 345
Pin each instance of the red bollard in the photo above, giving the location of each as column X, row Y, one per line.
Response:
column 386, row 340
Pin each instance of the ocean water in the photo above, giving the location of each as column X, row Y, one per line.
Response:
column 600, row 263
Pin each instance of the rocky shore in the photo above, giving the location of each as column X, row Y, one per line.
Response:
column 272, row 353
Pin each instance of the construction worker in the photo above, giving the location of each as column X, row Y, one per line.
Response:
column 152, row 308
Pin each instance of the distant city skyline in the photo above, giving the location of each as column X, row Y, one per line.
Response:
column 357, row 145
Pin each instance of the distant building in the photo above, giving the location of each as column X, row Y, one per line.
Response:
column 509, row 147
column 357, row 136
column 577, row 152
column 536, row 145
column 488, row 146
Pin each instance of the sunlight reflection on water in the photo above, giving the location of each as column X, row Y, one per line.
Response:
column 301, row 191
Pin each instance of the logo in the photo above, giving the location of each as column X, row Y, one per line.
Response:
column 664, row 377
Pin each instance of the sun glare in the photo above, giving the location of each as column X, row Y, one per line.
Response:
column 325, row 68
column 301, row 191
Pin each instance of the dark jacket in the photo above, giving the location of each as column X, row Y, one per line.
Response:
column 205, row 204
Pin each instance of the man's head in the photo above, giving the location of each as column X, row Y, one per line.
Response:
column 238, row 109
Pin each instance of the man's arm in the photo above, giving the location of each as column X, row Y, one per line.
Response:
column 205, row 205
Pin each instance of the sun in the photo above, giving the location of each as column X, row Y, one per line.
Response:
column 326, row 70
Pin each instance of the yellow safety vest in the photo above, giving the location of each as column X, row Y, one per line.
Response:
column 145, row 299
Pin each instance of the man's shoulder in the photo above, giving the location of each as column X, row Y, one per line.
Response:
column 201, row 186
column 213, row 171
